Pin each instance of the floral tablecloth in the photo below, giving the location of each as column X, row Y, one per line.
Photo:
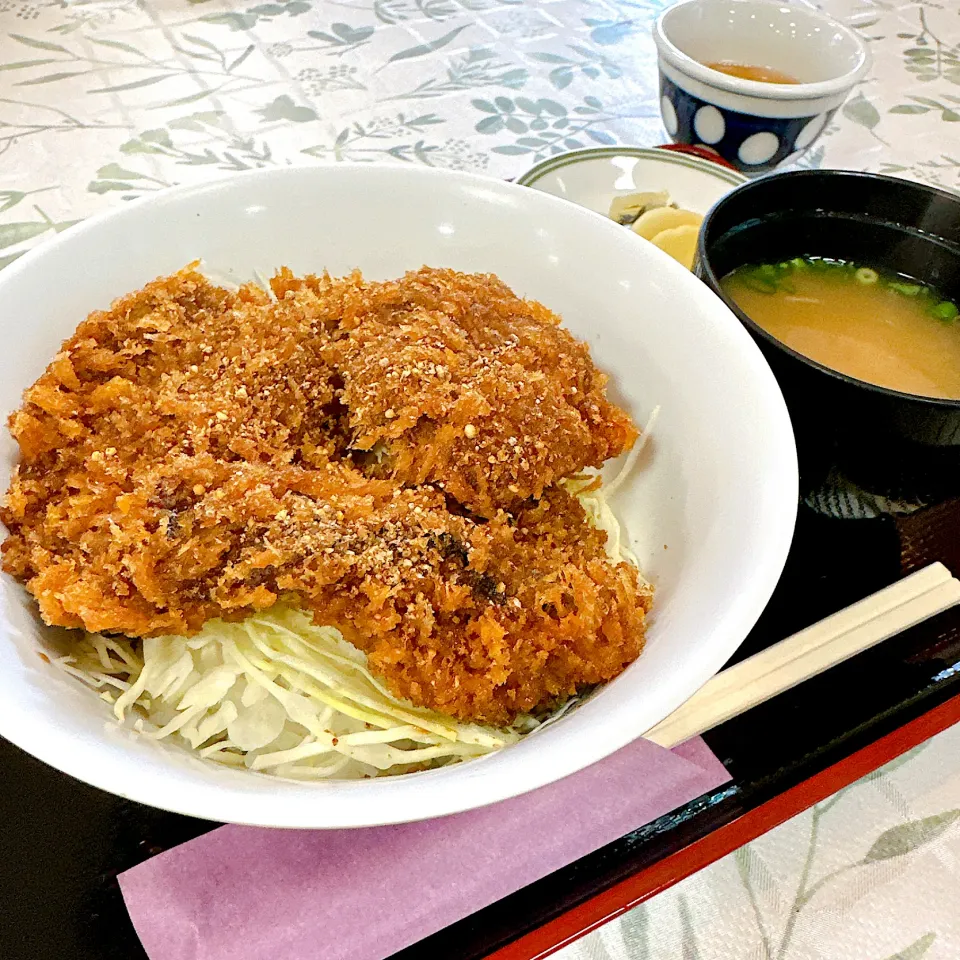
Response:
column 104, row 101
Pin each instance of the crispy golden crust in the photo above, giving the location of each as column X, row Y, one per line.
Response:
column 456, row 381
column 194, row 453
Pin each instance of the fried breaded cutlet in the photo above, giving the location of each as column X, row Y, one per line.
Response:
column 384, row 454
column 456, row 381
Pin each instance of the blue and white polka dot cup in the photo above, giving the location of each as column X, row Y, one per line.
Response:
column 753, row 125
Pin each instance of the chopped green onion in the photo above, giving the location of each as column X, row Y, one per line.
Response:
column 907, row 289
column 759, row 281
column 770, row 277
column 757, row 285
column 945, row 310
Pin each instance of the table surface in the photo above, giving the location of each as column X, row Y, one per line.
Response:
column 872, row 873
column 104, row 101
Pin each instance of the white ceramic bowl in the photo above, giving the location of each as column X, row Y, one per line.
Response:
column 717, row 488
column 753, row 125
column 592, row 177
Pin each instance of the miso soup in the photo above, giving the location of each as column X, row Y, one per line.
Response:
column 881, row 328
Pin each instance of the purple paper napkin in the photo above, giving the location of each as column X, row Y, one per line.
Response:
column 246, row 893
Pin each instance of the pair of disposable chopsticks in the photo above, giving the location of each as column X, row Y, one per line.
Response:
column 811, row 651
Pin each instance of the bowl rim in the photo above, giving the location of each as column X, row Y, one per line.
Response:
column 585, row 154
column 401, row 799
column 713, row 281
column 673, row 55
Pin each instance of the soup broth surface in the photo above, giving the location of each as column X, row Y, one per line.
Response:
column 880, row 329
column 746, row 71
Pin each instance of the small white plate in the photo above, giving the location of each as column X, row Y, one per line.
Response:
column 594, row 176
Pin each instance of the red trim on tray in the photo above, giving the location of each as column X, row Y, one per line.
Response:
column 627, row 894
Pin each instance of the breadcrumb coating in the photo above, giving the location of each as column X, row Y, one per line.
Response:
column 384, row 454
column 456, row 381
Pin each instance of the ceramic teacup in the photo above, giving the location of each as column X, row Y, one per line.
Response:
column 752, row 124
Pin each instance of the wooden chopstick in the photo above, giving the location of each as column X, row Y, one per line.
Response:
column 811, row 651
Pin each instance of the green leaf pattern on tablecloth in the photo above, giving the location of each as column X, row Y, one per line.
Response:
column 917, row 949
column 907, row 837
column 169, row 91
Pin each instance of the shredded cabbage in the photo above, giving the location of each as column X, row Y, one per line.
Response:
column 278, row 694
column 274, row 693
